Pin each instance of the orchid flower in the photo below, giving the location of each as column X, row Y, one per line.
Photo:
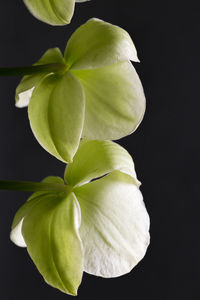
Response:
column 94, row 221
column 53, row 12
column 95, row 92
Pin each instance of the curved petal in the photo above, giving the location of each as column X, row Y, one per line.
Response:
column 96, row 44
column 16, row 232
column 115, row 225
column 28, row 83
column 53, row 12
column 115, row 101
column 97, row 158
column 56, row 113
column 16, row 235
column 52, row 55
column 50, row 230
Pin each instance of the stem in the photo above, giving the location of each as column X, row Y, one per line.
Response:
column 28, row 186
column 21, row 71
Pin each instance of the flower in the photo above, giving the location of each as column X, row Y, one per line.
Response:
column 53, row 12
column 98, row 95
column 99, row 225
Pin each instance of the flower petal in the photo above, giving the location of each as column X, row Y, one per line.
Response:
column 53, row 12
column 115, row 101
column 52, row 55
column 16, row 232
column 28, row 83
column 56, row 113
column 50, row 230
column 115, row 225
column 16, row 235
column 97, row 43
column 97, row 158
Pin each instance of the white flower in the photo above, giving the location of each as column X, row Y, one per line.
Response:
column 99, row 225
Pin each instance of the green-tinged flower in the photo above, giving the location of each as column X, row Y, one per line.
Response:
column 53, row 12
column 96, row 95
column 99, row 224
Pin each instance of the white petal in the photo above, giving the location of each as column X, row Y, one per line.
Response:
column 115, row 225
column 16, row 235
column 115, row 101
column 24, row 98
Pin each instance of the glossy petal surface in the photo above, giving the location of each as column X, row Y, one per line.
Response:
column 97, row 43
column 115, row 224
column 56, row 113
column 115, row 101
column 97, row 158
column 50, row 230
column 53, row 12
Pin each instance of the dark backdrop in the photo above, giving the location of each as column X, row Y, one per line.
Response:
column 165, row 147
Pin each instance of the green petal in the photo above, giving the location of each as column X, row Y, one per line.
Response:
column 53, row 179
column 97, row 43
column 53, row 12
column 97, row 158
column 115, row 225
column 50, row 230
column 16, row 232
column 29, row 82
column 52, row 55
column 56, row 113
column 115, row 101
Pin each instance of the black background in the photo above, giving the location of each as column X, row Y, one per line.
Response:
column 165, row 147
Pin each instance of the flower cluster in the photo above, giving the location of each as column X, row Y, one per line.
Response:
column 95, row 219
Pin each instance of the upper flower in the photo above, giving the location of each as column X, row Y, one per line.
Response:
column 53, row 12
column 99, row 225
column 97, row 94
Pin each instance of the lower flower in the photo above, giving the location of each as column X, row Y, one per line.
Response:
column 99, row 224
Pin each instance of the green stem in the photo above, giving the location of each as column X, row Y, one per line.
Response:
column 28, row 186
column 22, row 71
